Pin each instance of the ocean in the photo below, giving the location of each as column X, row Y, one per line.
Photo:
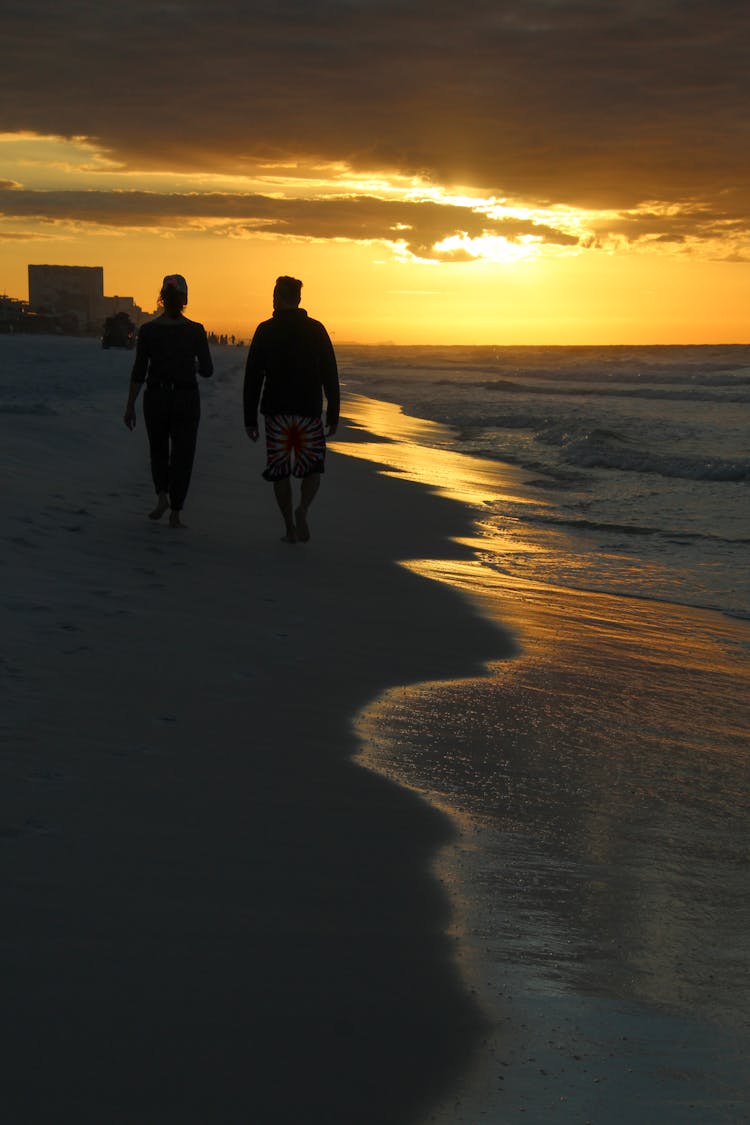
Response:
column 598, row 778
column 636, row 460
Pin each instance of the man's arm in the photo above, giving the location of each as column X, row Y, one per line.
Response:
column 255, row 373
column 330, row 380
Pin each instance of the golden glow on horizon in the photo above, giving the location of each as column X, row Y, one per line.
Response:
column 558, row 276
column 489, row 248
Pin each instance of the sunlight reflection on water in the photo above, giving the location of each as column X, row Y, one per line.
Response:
column 605, row 783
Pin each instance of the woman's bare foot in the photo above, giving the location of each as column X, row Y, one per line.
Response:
column 174, row 519
column 161, row 506
column 303, row 531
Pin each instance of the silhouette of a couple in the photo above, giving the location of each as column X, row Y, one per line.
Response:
column 290, row 366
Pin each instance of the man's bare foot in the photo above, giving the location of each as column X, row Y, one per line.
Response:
column 161, row 506
column 290, row 537
column 174, row 519
column 303, row 531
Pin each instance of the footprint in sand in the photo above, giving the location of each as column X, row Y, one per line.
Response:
column 29, row 607
column 34, row 827
column 67, row 510
column 140, row 749
column 149, row 572
column 47, row 777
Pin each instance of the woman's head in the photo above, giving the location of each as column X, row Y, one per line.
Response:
column 174, row 294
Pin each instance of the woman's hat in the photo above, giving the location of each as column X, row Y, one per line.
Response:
column 176, row 281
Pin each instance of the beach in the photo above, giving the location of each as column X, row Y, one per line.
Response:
column 240, row 887
column 213, row 914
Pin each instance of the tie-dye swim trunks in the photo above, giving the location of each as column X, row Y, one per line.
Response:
column 293, row 434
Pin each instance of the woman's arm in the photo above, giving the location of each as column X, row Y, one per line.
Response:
column 203, row 355
column 137, row 377
column 129, row 417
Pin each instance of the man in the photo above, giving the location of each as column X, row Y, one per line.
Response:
column 290, row 365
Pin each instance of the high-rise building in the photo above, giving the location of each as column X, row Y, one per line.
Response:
column 73, row 293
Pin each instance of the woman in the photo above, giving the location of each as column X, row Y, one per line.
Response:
column 169, row 350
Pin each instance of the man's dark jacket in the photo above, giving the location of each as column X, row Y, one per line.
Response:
column 291, row 360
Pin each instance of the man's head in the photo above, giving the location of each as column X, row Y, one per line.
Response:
column 287, row 293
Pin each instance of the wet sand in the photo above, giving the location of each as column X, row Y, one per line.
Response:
column 600, row 875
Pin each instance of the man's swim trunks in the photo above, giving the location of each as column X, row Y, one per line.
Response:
column 288, row 434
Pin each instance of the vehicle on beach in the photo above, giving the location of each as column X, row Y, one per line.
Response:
column 119, row 332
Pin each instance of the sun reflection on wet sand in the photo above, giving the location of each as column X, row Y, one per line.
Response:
column 601, row 779
column 459, row 476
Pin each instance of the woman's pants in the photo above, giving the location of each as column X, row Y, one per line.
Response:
column 172, row 419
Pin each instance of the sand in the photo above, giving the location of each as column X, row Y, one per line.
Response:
column 211, row 913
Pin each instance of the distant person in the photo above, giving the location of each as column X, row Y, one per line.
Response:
column 291, row 363
column 170, row 349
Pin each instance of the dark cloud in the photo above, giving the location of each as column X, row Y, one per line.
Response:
column 698, row 222
column 361, row 218
column 553, row 101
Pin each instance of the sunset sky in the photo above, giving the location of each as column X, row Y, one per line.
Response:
column 510, row 172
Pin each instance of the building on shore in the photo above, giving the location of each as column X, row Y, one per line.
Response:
column 11, row 313
column 73, row 298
